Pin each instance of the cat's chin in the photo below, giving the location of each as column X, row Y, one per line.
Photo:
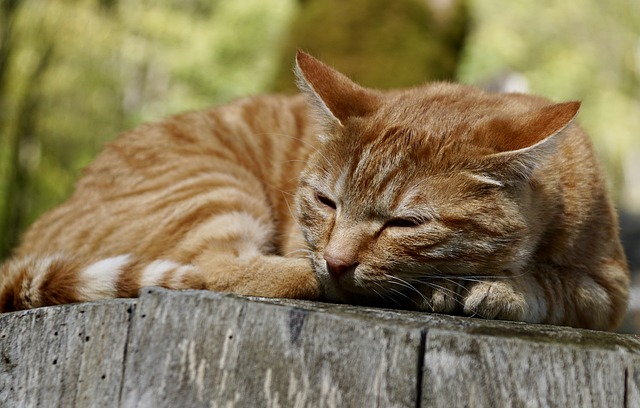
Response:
column 368, row 300
column 336, row 293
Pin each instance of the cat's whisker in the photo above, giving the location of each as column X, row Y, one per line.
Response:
column 476, row 278
column 453, row 294
column 306, row 252
column 295, row 219
column 404, row 295
column 401, row 294
column 401, row 282
column 382, row 293
column 286, row 193
column 377, row 294
column 429, row 282
column 452, row 281
column 458, row 284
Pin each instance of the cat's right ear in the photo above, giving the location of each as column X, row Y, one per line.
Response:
column 333, row 96
column 526, row 140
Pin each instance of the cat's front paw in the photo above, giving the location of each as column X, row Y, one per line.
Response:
column 438, row 296
column 495, row 300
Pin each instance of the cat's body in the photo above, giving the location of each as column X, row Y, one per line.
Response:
column 202, row 189
column 440, row 198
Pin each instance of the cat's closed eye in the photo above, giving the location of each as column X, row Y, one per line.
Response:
column 402, row 223
column 326, row 201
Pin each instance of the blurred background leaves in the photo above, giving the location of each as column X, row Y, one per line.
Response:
column 75, row 73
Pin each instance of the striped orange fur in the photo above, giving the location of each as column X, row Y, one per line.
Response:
column 440, row 198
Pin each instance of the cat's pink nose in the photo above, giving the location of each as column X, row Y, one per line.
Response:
column 338, row 266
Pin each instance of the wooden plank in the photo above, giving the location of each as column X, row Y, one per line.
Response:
column 633, row 382
column 467, row 370
column 208, row 349
column 196, row 349
column 607, row 363
column 66, row 356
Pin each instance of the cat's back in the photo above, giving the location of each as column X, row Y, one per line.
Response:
column 245, row 131
column 150, row 174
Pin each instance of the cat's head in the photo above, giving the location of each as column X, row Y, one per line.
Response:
column 417, row 184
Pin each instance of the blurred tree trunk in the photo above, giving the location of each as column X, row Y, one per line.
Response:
column 23, row 138
column 378, row 43
column 8, row 9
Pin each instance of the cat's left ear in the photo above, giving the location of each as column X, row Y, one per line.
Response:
column 334, row 96
column 523, row 142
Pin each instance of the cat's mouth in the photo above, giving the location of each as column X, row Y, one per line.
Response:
column 350, row 287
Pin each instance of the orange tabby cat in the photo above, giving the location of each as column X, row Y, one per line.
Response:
column 439, row 198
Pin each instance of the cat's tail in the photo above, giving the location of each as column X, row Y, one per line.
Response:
column 28, row 282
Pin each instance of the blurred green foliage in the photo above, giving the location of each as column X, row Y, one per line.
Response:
column 75, row 73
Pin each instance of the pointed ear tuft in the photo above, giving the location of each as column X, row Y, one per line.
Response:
column 522, row 143
column 516, row 132
column 334, row 95
column 547, row 122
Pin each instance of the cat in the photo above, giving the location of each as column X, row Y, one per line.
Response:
column 440, row 198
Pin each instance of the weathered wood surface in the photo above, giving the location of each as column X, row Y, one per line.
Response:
column 203, row 349
column 69, row 356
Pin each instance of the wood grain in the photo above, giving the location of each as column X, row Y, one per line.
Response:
column 485, row 371
column 65, row 356
column 231, row 352
column 205, row 349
